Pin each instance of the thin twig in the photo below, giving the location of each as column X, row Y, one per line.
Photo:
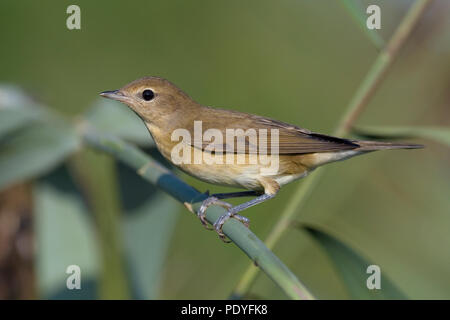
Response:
column 356, row 106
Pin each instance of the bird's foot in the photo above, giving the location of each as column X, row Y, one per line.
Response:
column 201, row 214
column 218, row 225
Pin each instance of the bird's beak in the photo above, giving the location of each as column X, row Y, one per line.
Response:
column 115, row 95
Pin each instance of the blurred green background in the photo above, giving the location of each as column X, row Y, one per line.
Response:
column 296, row 61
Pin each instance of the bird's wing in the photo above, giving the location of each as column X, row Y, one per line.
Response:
column 251, row 132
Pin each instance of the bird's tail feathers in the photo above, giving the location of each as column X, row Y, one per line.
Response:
column 379, row 145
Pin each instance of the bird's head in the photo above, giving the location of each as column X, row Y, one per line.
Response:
column 152, row 98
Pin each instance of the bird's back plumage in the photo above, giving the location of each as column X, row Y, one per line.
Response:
column 291, row 139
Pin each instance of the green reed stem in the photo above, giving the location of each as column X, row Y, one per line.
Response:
column 164, row 179
column 355, row 10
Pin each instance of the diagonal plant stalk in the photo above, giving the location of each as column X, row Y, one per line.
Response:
column 357, row 104
column 355, row 12
column 436, row 133
column 164, row 179
column 106, row 208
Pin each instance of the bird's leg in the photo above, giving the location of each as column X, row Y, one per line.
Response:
column 229, row 195
column 232, row 213
column 215, row 199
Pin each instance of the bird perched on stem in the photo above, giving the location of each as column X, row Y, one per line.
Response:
column 233, row 148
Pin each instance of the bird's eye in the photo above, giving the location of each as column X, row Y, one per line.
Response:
column 148, row 95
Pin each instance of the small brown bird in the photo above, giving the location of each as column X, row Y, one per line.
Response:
column 233, row 148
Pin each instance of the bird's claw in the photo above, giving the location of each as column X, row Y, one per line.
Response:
column 218, row 225
column 201, row 214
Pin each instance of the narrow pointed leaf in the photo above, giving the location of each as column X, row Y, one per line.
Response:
column 353, row 268
column 65, row 236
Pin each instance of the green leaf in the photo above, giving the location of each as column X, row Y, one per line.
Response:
column 134, row 226
column 34, row 150
column 16, row 109
column 149, row 219
column 353, row 268
column 13, row 119
column 12, row 97
column 117, row 119
column 65, row 235
column 439, row 134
